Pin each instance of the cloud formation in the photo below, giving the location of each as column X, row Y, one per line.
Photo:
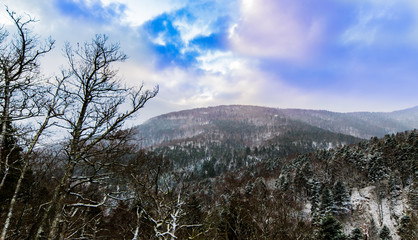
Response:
column 274, row 29
column 342, row 55
column 181, row 36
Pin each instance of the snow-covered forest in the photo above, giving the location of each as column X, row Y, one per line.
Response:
column 265, row 177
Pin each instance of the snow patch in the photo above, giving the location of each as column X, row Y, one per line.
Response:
column 366, row 206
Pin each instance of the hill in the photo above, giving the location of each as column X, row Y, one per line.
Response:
column 306, row 169
column 259, row 124
column 228, row 137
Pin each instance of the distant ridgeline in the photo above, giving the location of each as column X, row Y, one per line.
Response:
column 259, row 124
column 209, row 141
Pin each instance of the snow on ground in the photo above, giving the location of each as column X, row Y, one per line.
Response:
column 367, row 206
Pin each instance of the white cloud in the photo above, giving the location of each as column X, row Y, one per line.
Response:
column 266, row 29
column 274, row 29
column 243, row 83
column 190, row 30
column 139, row 11
column 220, row 62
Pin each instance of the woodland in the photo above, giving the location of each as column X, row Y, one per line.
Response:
column 95, row 181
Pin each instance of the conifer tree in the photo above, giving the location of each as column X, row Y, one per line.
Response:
column 283, row 183
column 327, row 202
column 315, row 199
column 376, row 168
column 356, row 234
column 384, row 234
column 330, row 229
column 408, row 228
column 341, row 198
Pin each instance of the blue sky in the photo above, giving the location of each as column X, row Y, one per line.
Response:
column 338, row 55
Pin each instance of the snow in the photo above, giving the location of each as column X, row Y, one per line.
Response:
column 366, row 206
column 330, row 146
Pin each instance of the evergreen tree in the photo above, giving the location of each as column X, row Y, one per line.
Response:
column 356, row 234
column 249, row 187
column 315, row 199
column 330, row 229
column 208, row 168
column 11, row 162
column 341, row 198
column 327, row 202
column 384, row 234
column 373, row 230
column 408, row 228
column 376, row 168
column 283, row 183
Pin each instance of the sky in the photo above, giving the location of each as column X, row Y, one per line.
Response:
column 336, row 55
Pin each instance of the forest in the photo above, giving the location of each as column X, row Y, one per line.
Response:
column 70, row 170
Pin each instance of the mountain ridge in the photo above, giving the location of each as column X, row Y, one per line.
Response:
column 358, row 124
column 414, row 108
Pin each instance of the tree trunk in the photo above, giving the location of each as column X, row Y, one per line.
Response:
column 5, row 118
column 22, row 176
column 56, row 204
column 136, row 233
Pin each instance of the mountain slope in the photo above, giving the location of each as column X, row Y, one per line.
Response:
column 210, row 141
column 369, row 186
column 359, row 124
column 408, row 117
column 253, row 125
column 234, row 126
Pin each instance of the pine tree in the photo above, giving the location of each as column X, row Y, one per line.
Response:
column 283, row 183
column 327, row 202
column 341, row 198
column 330, row 229
column 356, row 234
column 376, row 168
column 373, row 230
column 384, row 234
column 408, row 228
column 315, row 199
column 249, row 187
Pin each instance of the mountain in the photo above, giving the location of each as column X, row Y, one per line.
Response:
column 359, row 124
column 253, row 126
column 292, row 173
column 210, row 141
column 408, row 117
column 239, row 127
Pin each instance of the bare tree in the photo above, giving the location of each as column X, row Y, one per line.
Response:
column 158, row 197
column 19, row 71
column 51, row 113
column 21, row 97
column 92, row 117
